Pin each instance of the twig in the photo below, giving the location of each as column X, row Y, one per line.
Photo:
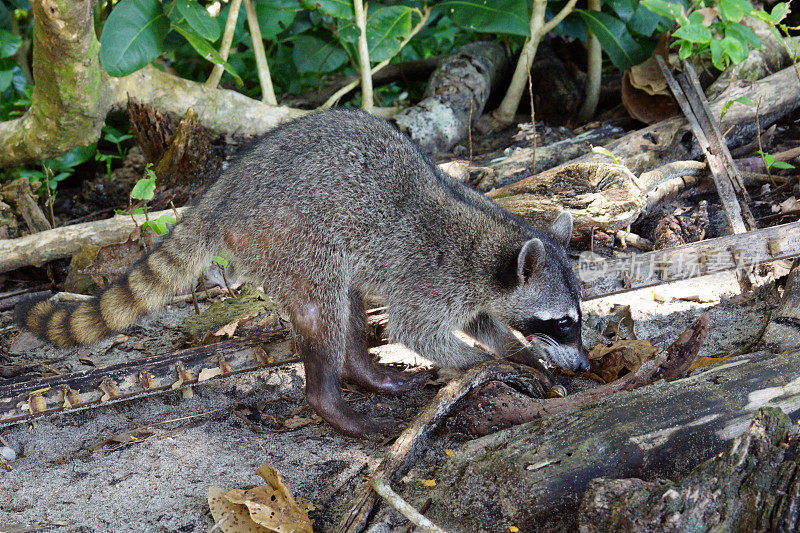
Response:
column 533, row 124
column 403, row 507
column 426, row 13
column 225, row 45
column 264, row 79
column 363, row 57
column 594, row 67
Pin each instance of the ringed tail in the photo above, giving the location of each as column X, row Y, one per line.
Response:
column 146, row 287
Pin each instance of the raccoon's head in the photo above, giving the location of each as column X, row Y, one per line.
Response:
column 544, row 304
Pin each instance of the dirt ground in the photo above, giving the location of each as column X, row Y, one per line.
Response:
column 65, row 479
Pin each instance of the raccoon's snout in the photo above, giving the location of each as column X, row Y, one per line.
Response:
column 564, row 355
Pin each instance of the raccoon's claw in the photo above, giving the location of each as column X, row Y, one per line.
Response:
column 387, row 380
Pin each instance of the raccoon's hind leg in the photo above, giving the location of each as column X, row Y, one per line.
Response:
column 320, row 327
column 361, row 369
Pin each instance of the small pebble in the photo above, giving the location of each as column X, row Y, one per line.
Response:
column 8, row 453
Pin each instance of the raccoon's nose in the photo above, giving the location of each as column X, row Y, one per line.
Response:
column 583, row 365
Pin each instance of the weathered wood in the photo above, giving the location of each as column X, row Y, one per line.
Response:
column 754, row 485
column 783, row 330
column 602, row 277
column 730, row 187
column 650, row 147
column 143, row 377
column 39, row 248
column 533, row 476
column 456, row 94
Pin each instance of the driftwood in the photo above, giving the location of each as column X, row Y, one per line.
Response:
column 572, row 185
column 456, row 94
column 39, row 248
column 754, row 485
column 600, row 276
column 783, row 331
column 533, row 475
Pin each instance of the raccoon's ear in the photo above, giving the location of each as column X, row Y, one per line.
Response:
column 561, row 229
column 530, row 260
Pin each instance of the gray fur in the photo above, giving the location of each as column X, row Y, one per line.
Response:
column 337, row 204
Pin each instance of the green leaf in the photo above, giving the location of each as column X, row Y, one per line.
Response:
column 71, row 159
column 312, row 54
column 694, row 33
column 206, row 50
column 9, row 43
column 159, row 225
column 685, row 50
column 670, row 10
column 718, row 62
column 509, row 17
column 605, row 152
column 733, row 10
column 779, row 12
column 144, row 189
column 341, row 9
column 197, row 18
column 742, row 33
column 734, row 49
column 133, row 36
column 386, row 29
column 5, row 79
column 645, row 21
column 221, row 261
column 623, row 8
column 783, row 165
column 615, row 39
column 274, row 16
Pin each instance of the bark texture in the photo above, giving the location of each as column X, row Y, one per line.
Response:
column 533, row 476
column 457, row 93
column 754, row 485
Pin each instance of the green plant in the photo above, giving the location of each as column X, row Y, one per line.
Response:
column 770, row 163
column 116, row 138
column 742, row 100
column 144, row 190
column 715, row 28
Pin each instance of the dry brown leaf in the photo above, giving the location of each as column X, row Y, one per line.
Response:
column 618, row 359
column 700, row 362
column 300, row 421
column 230, row 517
column 270, row 507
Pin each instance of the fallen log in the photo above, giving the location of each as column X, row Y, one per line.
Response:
column 754, row 485
column 533, row 476
column 58, row 243
column 455, row 97
column 537, row 197
column 36, row 398
column 600, row 276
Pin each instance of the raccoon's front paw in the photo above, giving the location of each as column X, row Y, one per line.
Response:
column 387, row 380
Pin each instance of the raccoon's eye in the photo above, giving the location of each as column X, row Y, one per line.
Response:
column 564, row 323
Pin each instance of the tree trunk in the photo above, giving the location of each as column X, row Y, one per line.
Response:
column 533, row 476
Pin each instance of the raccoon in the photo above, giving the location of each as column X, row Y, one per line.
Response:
column 326, row 208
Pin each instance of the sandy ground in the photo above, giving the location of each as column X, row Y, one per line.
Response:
column 64, row 480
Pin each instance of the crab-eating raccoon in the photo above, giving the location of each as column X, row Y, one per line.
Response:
column 336, row 204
